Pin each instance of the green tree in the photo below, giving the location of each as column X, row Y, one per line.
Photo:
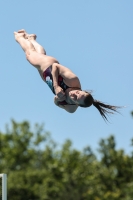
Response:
column 38, row 169
column 116, row 173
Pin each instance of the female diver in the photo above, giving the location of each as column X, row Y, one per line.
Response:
column 62, row 81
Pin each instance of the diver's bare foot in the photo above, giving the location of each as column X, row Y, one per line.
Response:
column 23, row 31
column 28, row 36
column 19, row 35
column 31, row 36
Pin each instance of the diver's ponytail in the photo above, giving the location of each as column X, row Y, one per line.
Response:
column 105, row 109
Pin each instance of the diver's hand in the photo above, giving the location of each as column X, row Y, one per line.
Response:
column 60, row 93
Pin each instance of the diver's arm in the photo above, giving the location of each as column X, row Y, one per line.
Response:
column 68, row 108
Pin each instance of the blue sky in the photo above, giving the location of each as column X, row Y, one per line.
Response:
column 92, row 38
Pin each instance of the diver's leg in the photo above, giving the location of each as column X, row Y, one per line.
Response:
column 32, row 56
column 25, row 44
column 32, row 39
column 37, row 46
column 38, row 60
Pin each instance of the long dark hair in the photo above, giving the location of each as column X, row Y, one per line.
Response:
column 103, row 108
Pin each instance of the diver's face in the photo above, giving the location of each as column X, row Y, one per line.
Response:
column 77, row 96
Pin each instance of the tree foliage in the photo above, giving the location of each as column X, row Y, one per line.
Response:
column 38, row 169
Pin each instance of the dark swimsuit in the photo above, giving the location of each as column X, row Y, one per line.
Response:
column 47, row 75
